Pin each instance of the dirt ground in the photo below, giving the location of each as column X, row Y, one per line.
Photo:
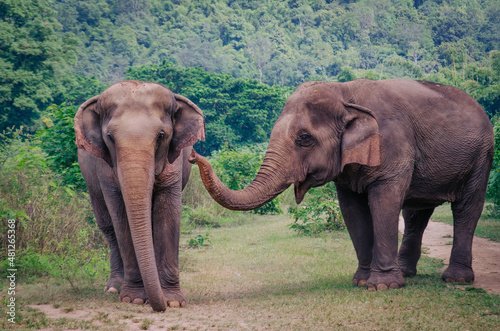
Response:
column 436, row 243
column 485, row 254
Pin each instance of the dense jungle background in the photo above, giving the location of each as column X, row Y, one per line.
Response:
column 238, row 60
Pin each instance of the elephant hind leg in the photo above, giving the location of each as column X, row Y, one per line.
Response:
column 415, row 223
column 466, row 212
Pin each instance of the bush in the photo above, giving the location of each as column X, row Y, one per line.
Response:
column 57, row 139
column 56, row 234
column 319, row 214
column 237, row 167
column 493, row 192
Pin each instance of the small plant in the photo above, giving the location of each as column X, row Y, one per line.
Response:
column 321, row 213
column 200, row 241
column 146, row 323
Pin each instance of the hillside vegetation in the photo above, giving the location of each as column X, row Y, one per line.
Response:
column 53, row 51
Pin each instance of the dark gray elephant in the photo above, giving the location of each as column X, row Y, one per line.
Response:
column 389, row 146
column 134, row 140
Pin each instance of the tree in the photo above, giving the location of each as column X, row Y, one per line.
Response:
column 33, row 60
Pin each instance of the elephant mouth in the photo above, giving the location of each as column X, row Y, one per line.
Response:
column 301, row 189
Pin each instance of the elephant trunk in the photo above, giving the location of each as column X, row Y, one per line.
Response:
column 268, row 183
column 136, row 181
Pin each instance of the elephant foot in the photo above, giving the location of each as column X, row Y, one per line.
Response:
column 384, row 280
column 114, row 284
column 458, row 274
column 408, row 270
column 361, row 276
column 174, row 298
column 133, row 295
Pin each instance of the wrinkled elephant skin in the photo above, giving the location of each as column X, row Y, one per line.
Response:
column 133, row 143
column 389, row 146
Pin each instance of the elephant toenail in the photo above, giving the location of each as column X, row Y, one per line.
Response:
column 183, row 304
column 138, row 301
column 112, row 290
column 174, row 304
column 394, row 286
column 371, row 287
column 126, row 299
column 382, row 287
column 362, row 282
column 450, row 280
column 461, row 280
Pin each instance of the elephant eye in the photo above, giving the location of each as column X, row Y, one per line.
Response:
column 110, row 137
column 161, row 135
column 304, row 140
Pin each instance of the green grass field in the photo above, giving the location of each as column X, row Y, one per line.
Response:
column 262, row 276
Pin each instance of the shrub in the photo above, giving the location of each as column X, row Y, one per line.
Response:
column 493, row 192
column 319, row 214
column 57, row 139
column 237, row 167
column 56, row 234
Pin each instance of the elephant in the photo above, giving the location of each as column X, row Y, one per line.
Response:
column 134, row 141
column 389, row 146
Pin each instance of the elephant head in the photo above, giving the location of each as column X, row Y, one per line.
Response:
column 138, row 129
column 318, row 134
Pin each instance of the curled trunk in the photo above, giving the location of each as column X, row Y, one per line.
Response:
column 268, row 183
column 136, row 184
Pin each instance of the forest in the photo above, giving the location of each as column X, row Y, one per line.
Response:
column 238, row 60
column 55, row 51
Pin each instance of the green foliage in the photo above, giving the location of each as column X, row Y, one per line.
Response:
column 200, row 241
column 56, row 234
column 494, row 182
column 275, row 42
column 319, row 214
column 57, row 139
column 34, row 56
column 237, row 168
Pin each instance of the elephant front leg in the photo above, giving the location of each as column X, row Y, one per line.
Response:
column 166, row 225
column 105, row 224
column 132, row 288
column 115, row 281
column 385, row 204
column 357, row 217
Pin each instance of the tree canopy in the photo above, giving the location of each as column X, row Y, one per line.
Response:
column 65, row 50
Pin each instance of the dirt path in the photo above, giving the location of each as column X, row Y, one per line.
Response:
column 486, row 254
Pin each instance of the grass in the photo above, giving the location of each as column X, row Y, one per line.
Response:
column 261, row 275
column 487, row 227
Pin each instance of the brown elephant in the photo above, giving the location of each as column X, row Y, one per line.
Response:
column 134, row 140
column 389, row 146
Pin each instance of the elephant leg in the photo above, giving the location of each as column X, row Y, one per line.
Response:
column 385, row 204
column 115, row 281
column 466, row 213
column 411, row 248
column 357, row 217
column 103, row 219
column 132, row 289
column 166, row 224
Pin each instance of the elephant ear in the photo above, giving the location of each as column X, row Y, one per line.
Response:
column 360, row 139
column 88, row 131
column 189, row 127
